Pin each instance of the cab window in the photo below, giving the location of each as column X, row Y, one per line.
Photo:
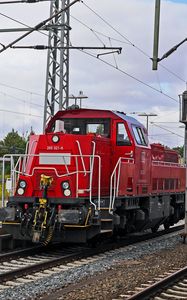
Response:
column 122, row 138
column 83, row 126
column 95, row 128
column 139, row 135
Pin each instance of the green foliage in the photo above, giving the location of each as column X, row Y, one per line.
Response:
column 180, row 150
column 100, row 129
column 6, row 194
column 13, row 143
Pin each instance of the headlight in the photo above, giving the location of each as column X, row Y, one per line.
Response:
column 22, row 184
column 55, row 138
column 67, row 193
column 20, row 191
column 65, row 185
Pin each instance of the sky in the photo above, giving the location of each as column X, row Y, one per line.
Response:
column 122, row 82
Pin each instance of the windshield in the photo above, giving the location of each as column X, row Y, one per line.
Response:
column 83, row 126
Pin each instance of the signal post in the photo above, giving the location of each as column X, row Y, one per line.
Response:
column 183, row 119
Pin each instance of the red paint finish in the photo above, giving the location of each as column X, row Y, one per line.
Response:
column 145, row 169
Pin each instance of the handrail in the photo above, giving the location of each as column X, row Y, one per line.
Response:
column 91, row 174
column 167, row 164
column 80, row 151
column 16, row 170
column 3, row 183
column 26, row 152
column 114, row 188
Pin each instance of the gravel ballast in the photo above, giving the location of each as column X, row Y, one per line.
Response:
column 110, row 276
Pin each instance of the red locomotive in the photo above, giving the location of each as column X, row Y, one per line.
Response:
column 93, row 172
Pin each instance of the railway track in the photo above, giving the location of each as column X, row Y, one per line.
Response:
column 20, row 252
column 32, row 263
column 172, row 285
column 27, row 268
column 130, row 239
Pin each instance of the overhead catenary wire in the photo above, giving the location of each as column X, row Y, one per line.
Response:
column 131, row 43
column 22, row 1
column 109, row 64
column 21, row 90
column 117, row 31
column 139, row 49
column 19, row 113
column 131, row 76
column 144, row 53
column 21, row 100
column 127, row 41
column 181, row 136
column 167, row 122
column 99, row 33
column 174, row 74
column 38, row 26
column 159, row 134
column 21, row 23
column 137, row 79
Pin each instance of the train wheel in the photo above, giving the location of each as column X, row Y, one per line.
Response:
column 166, row 225
column 155, row 228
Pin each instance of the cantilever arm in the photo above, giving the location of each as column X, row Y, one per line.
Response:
column 172, row 50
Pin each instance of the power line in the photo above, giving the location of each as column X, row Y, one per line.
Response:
column 131, row 43
column 117, row 31
column 160, row 134
column 38, row 26
column 122, row 71
column 98, row 32
column 152, row 123
column 131, row 76
column 168, row 114
column 19, row 113
column 24, row 24
column 22, row 1
column 21, row 90
column 174, row 74
column 167, row 122
column 21, row 100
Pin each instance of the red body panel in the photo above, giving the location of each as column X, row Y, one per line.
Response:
column 144, row 169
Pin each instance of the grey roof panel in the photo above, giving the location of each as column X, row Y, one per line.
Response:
column 130, row 120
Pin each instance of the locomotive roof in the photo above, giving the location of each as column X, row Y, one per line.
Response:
column 127, row 118
column 99, row 113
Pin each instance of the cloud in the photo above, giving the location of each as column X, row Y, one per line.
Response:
column 105, row 86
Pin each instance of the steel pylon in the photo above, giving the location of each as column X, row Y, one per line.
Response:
column 57, row 75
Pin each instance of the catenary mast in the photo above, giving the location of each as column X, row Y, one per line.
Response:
column 57, row 76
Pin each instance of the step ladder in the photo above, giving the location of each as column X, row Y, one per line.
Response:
column 106, row 220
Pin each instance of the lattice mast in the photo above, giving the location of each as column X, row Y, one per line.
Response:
column 57, row 75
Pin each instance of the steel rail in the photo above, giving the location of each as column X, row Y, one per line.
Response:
column 70, row 254
column 22, row 252
column 159, row 286
column 46, row 263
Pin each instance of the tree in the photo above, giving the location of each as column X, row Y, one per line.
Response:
column 13, row 143
column 180, row 150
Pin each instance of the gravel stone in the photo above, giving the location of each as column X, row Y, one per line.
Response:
column 110, row 276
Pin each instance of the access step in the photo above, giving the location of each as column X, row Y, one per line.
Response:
column 6, row 242
column 106, row 231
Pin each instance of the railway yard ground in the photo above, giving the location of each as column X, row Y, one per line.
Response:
column 106, row 276
column 126, row 274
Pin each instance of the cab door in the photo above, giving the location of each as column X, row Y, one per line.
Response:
column 123, row 147
column 142, row 160
column 123, row 141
